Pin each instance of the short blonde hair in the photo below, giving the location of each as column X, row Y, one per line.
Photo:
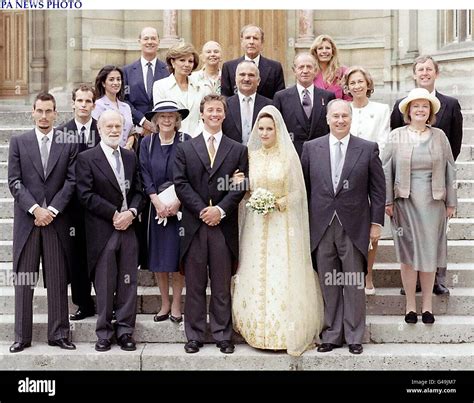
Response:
column 368, row 79
column 181, row 49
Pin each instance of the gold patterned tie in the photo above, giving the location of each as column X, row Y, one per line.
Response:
column 212, row 149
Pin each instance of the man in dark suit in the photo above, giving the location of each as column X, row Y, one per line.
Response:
column 83, row 128
column 448, row 119
column 41, row 179
column 243, row 107
column 303, row 106
column 202, row 172
column 109, row 187
column 271, row 72
column 140, row 75
column 343, row 174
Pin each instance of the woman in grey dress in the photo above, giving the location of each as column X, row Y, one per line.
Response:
column 421, row 196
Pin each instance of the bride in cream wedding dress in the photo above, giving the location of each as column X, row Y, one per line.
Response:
column 277, row 301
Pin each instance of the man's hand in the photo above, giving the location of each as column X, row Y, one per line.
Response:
column 375, row 232
column 389, row 210
column 237, row 178
column 123, row 220
column 450, row 212
column 161, row 208
column 148, row 127
column 211, row 216
column 43, row 216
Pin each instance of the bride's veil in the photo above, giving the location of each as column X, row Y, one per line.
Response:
column 304, row 298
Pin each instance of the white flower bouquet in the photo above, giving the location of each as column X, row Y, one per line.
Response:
column 262, row 201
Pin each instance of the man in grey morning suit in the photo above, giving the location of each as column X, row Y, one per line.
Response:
column 243, row 107
column 343, row 175
column 303, row 106
column 203, row 167
column 110, row 189
column 41, row 180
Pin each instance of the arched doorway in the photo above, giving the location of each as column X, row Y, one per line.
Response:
column 13, row 53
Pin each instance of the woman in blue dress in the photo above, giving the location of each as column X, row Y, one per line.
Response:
column 157, row 153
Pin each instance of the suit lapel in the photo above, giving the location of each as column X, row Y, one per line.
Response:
column 103, row 164
column 325, row 158
column 442, row 109
column 54, row 153
column 352, row 155
column 264, row 71
column 298, row 108
column 201, row 150
column 257, row 107
column 137, row 68
column 222, row 151
column 32, row 148
column 128, row 164
column 317, row 109
column 234, row 109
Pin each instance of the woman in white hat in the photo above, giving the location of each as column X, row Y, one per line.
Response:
column 421, row 196
column 157, row 154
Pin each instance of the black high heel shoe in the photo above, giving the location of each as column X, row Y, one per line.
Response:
column 411, row 317
column 427, row 318
column 161, row 318
column 176, row 319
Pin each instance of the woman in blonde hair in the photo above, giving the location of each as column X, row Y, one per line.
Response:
column 182, row 59
column 329, row 72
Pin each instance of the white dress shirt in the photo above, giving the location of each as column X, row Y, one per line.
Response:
column 256, row 60
column 87, row 132
column 301, row 89
column 144, row 63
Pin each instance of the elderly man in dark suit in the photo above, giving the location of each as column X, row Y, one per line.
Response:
column 109, row 187
column 140, row 75
column 202, row 172
column 448, row 119
column 271, row 72
column 41, row 179
column 243, row 107
column 343, row 175
column 83, row 128
column 303, row 106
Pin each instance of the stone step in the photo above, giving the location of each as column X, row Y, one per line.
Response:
column 387, row 301
column 459, row 251
column 467, row 153
column 172, row 357
column 379, row 329
column 465, row 169
column 468, row 134
column 465, row 188
column 465, row 208
column 3, row 152
column 23, row 119
column 457, row 275
column 468, row 118
column 6, row 208
column 6, row 133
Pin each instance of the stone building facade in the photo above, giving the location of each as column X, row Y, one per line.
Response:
column 55, row 50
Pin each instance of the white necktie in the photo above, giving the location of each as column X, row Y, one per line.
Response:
column 337, row 164
column 44, row 152
column 247, row 120
column 115, row 153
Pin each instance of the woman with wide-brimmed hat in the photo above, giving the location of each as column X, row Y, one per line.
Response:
column 421, row 197
column 157, row 154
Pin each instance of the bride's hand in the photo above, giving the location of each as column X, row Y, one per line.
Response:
column 281, row 203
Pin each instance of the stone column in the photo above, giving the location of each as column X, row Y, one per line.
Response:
column 305, row 29
column 412, row 50
column 38, row 64
column 170, row 28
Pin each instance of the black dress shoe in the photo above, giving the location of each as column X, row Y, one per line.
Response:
column 418, row 289
column 126, row 342
column 161, row 318
column 326, row 347
column 225, row 346
column 355, row 348
column 63, row 343
column 192, row 346
column 17, row 347
column 411, row 317
column 82, row 314
column 176, row 319
column 440, row 289
column 103, row 345
column 427, row 318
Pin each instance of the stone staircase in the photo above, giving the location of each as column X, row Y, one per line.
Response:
column 391, row 344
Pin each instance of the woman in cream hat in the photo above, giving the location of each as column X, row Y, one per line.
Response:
column 421, row 196
column 157, row 154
